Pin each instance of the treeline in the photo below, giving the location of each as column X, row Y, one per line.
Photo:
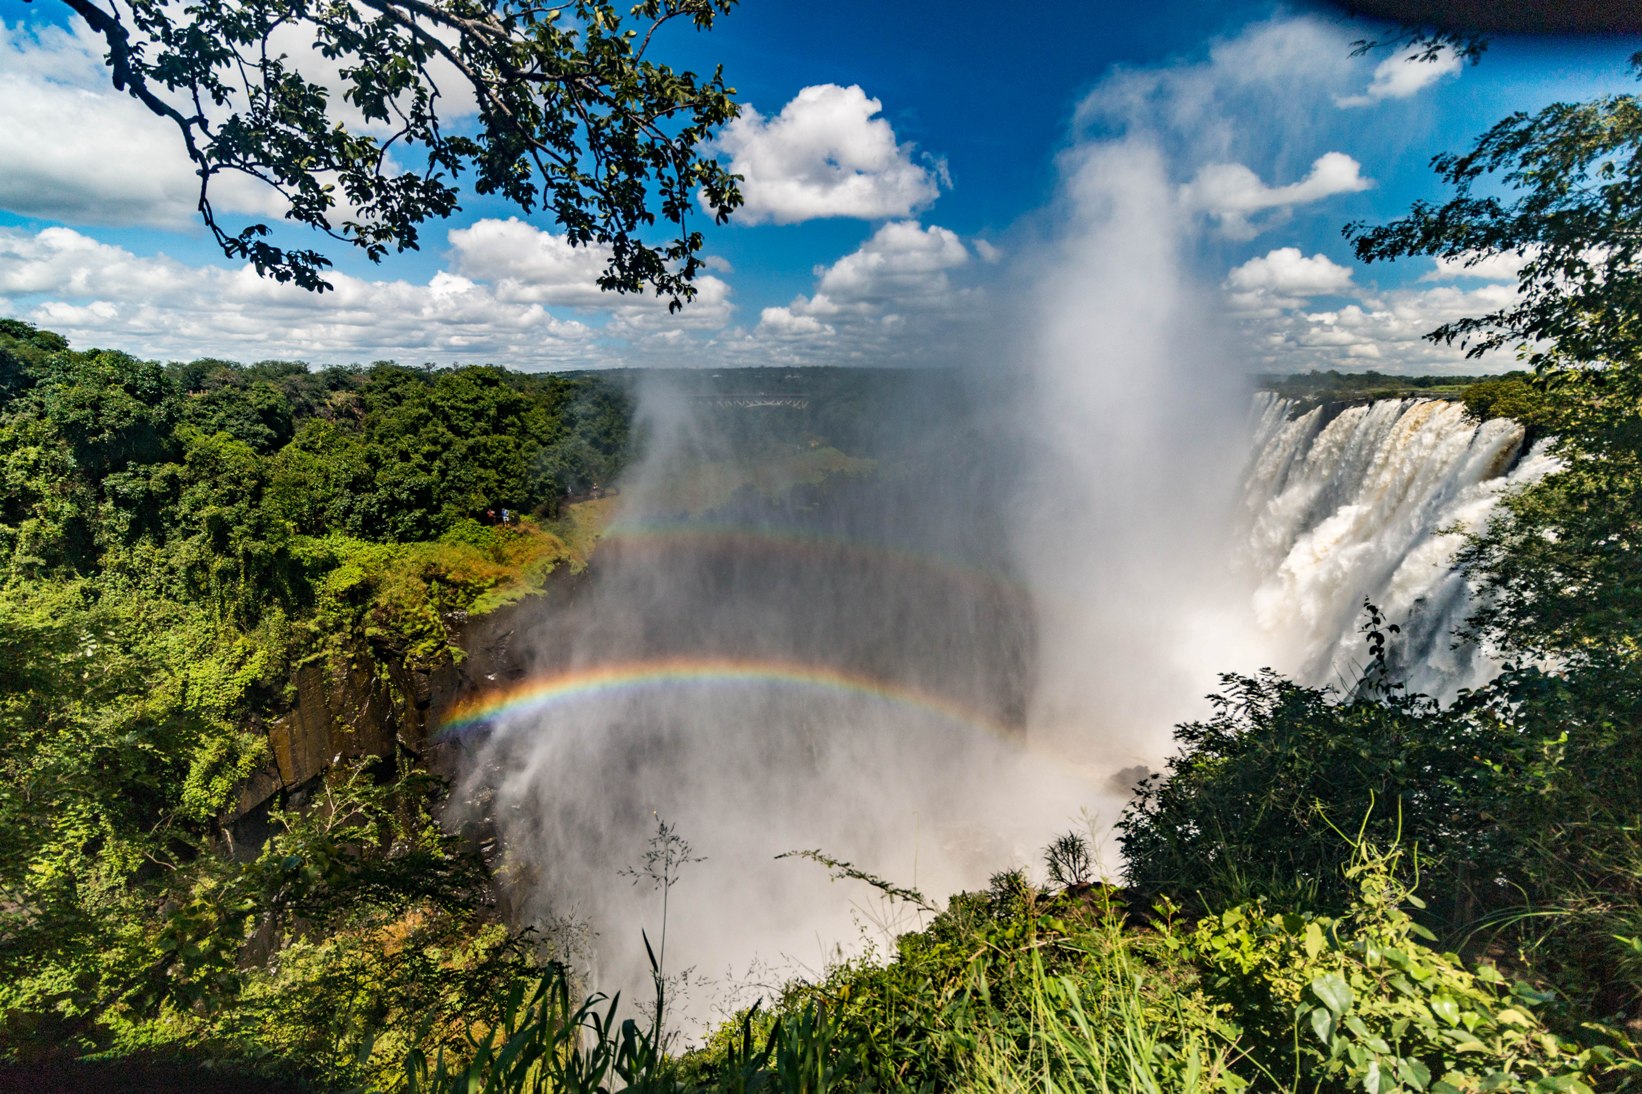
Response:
column 1336, row 389
column 174, row 540
column 104, row 451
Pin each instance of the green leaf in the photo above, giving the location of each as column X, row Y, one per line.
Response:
column 1314, row 941
column 1333, row 992
column 1322, row 1023
column 1414, row 1073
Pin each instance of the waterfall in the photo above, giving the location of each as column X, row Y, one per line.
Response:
column 1374, row 501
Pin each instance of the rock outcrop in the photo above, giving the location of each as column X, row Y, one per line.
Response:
column 377, row 705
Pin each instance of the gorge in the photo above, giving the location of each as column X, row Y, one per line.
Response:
column 845, row 652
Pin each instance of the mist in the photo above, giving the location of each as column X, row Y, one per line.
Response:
column 1132, row 424
column 927, row 662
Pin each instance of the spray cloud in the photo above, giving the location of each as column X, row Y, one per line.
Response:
column 927, row 648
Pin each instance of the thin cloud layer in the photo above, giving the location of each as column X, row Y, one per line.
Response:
column 1199, row 109
column 827, row 154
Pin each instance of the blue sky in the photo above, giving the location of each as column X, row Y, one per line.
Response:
column 906, row 178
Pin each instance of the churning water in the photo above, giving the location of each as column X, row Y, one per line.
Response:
column 1372, row 502
column 886, row 661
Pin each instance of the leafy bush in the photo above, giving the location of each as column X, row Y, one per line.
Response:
column 1253, row 803
column 1359, row 1002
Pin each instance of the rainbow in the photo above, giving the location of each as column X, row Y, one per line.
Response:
column 561, row 689
column 661, row 535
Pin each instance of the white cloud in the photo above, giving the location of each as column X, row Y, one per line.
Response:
column 890, row 301
column 901, row 262
column 1484, row 267
column 1199, row 108
column 526, row 265
column 1287, row 272
column 783, row 324
column 1232, row 195
column 1403, row 76
column 75, row 149
column 1387, row 327
column 826, row 154
column 99, row 294
column 529, row 265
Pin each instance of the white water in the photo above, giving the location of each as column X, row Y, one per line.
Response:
column 1373, row 502
column 1108, row 479
column 1135, row 608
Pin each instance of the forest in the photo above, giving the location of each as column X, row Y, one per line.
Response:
column 1324, row 890
column 176, row 540
column 1327, row 889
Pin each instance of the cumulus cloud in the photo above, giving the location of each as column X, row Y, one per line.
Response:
column 827, row 154
column 901, row 262
column 527, row 264
column 99, row 294
column 887, row 302
column 1403, row 76
column 1387, row 328
column 1232, row 195
column 1282, row 279
column 1287, row 272
column 524, row 264
column 781, row 323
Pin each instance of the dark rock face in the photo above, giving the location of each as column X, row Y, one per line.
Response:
column 378, row 706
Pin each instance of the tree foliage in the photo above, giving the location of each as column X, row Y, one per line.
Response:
column 345, row 110
column 1560, row 190
column 173, row 541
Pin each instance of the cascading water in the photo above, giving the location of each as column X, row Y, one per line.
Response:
column 1373, row 501
column 928, row 654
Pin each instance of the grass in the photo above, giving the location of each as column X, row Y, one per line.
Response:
column 1017, row 990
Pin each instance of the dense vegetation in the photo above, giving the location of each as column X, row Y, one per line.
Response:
column 173, row 541
column 1325, row 891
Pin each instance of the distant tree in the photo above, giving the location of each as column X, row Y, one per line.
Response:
column 1068, row 860
column 341, row 108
